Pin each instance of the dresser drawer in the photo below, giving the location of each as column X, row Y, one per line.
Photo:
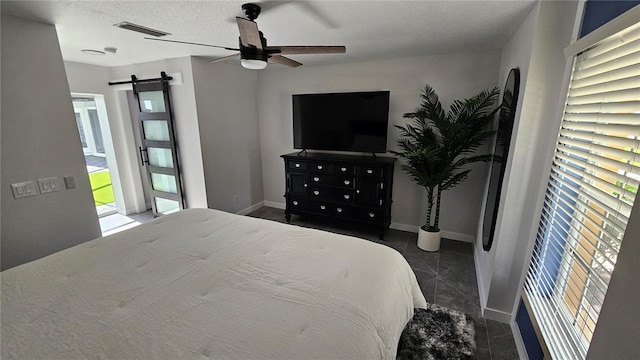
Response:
column 370, row 215
column 326, row 193
column 346, row 195
column 319, row 167
column 296, row 164
column 297, row 204
column 347, row 182
column 344, row 169
column 320, row 207
column 369, row 171
column 342, row 211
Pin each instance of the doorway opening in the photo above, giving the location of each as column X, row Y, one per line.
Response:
column 91, row 121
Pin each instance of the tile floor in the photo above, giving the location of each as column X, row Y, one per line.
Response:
column 447, row 277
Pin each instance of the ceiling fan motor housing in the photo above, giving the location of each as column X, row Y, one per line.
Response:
column 251, row 10
column 252, row 53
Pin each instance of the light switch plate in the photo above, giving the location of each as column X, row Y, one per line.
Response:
column 23, row 189
column 70, row 182
column 48, row 185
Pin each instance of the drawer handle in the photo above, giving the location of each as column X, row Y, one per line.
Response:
column 316, row 179
column 343, row 169
column 305, row 185
column 295, row 203
column 347, row 196
column 316, row 192
column 369, row 171
column 297, row 165
column 319, row 167
column 372, row 215
column 322, row 207
column 357, row 191
column 339, row 210
column 347, row 182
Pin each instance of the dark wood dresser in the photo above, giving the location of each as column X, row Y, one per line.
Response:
column 345, row 187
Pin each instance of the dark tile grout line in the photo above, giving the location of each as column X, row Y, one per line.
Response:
column 486, row 330
column 435, row 286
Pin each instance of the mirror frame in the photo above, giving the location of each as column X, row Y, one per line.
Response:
column 506, row 119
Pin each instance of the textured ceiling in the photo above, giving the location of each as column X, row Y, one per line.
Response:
column 369, row 29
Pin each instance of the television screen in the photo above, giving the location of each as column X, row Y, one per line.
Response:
column 355, row 121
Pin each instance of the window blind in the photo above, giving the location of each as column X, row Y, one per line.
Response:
column 593, row 183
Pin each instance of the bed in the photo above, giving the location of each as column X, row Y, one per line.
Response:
column 203, row 283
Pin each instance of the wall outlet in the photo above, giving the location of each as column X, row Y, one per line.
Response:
column 23, row 189
column 48, row 185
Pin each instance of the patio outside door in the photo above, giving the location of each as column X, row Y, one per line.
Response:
column 158, row 151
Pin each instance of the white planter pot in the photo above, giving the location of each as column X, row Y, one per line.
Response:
column 428, row 241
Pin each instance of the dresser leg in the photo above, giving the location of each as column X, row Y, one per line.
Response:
column 287, row 216
column 381, row 234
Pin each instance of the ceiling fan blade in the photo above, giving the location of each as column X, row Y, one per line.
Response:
column 284, row 61
column 192, row 43
column 249, row 34
column 224, row 58
column 292, row 50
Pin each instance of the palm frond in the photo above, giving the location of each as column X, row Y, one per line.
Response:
column 437, row 146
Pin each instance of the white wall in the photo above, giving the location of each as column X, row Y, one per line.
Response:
column 453, row 76
column 515, row 54
column 186, row 121
column 229, row 135
column 40, row 139
column 535, row 131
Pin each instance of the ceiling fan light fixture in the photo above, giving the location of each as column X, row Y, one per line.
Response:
column 253, row 64
column 253, row 58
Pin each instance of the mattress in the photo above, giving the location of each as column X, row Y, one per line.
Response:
column 203, row 283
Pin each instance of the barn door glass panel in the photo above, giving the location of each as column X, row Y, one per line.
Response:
column 156, row 130
column 163, row 182
column 166, row 206
column 151, row 102
column 160, row 157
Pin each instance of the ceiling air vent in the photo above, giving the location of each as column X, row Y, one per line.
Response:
column 141, row 29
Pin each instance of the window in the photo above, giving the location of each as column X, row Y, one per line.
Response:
column 593, row 183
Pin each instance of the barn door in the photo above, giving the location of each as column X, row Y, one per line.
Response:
column 158, row 152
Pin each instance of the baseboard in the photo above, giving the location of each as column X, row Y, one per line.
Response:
column 274, row 204
column 517, row 337
column 251, row 208
column 496, row 315
column 404, row 227
column 457, row 236
column 445, row 234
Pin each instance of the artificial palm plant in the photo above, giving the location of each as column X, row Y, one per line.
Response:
column 437, row 145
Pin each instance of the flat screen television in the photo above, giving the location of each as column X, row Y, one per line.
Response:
column 353, row 121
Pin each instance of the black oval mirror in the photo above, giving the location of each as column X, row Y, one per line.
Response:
column 501, row 151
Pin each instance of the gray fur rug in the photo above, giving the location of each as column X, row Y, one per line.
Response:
column 437, row 333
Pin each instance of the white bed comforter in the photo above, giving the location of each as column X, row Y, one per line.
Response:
column 207, row 284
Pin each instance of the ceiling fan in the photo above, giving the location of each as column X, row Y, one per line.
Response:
column 253, row 50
